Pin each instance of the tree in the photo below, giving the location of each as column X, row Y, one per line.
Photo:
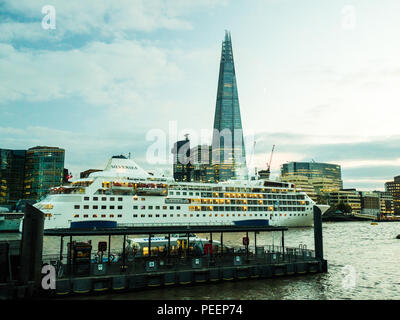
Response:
column 344, row 207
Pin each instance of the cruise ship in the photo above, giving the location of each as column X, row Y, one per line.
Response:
column 125, row 195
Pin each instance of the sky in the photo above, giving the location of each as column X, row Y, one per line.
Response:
column 317, row 78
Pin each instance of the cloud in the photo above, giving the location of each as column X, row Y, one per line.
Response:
column 100, row 73
column 99, row 18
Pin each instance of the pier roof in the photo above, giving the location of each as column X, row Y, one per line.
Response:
column 161, row 230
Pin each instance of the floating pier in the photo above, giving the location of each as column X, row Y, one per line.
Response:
column 77, row 273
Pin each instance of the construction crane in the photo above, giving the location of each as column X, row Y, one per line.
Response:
column 270, row 160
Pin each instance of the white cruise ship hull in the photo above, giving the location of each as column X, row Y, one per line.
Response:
column 125, row 195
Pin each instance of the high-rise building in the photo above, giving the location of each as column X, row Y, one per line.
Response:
column 12, row 168
column 303, row 183
column 200, row 158
column 182, row 166
column 394, row 188
column 44, row 169
column 386, row 202
column 370, row 203
column 228, row 151
column 324, row 177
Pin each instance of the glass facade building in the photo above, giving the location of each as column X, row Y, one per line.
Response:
column 228, row 151
column 182, row 166
column 328, row 175
column 12, row 169
column 44, row 169
column 393, row 187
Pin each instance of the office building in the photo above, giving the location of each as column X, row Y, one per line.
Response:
column 386, row 202
column 347, row 196
column 200, row 158
column 370, row 203
column 12, row 169
column 303, row 183
column 44, row 169
column 228, row 151
column 393, row 187
column 182, row 166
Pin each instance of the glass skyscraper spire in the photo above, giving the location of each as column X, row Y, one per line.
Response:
column 228, row 151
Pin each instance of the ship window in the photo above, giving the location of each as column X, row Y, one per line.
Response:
column 135, row 215
column 120, row 216
column 150, row 215
column 86, row 198
column 112, row 207
column 142, row 215
column 143, row 199
column 103, row 199
column 103, row 215
column 119, row 199
column 171, row 208
column 171, row 193
column 157, row 207
column 76, row 207
column 85, row 207
column 76, row 215
column 95, row 207
column 95, row 198
column 95, row 216
column 204, row 215
column 135, row 207
column 157, row 215
column 190, row 193
column 119, row 207
column 185, row 215
column 178, row 208
column 184, row 193
column 150, row 207
column 86, row 216
column 164, row 207
column 111, row 216
column 142, row 207
column 112, row 199
column 177, row 193
column 171, row 215
column 103, row 207
column 164, row 215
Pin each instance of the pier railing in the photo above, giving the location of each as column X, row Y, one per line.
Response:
column 163, row 262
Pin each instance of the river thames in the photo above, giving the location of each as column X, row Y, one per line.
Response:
column 363, row 263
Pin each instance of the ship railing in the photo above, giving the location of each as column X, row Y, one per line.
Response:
column 163, row 224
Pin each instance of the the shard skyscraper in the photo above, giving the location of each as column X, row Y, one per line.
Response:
column 228, row 151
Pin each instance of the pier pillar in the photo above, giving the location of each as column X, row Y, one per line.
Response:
column 31, row 246
column 318, row 243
